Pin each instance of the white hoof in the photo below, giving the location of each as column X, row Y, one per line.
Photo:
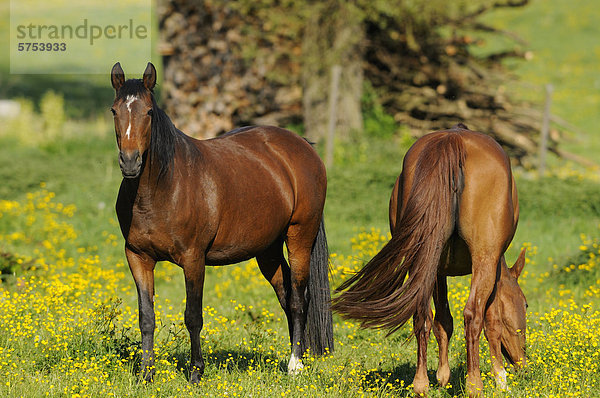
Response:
column 501, row 380
column 295, row 365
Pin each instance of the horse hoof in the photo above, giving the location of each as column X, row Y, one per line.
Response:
column 295, row 366
column 421, row 389
column 196, row 374
column 474, row 390
column 501, row 380
column 443, row 376
column 195, row 378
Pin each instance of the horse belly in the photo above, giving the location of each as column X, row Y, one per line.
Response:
column 235, row 252
column 225, row 256
column 456, row 259
column 246, row 237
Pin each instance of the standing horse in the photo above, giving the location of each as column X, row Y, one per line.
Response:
column 216, row 202
column 453, row 211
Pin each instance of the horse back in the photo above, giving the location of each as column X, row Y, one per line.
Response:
column 267, row 158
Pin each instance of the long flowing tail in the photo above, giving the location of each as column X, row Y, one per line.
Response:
column 398, row 282
column 319, row 323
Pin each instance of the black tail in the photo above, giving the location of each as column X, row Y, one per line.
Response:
column 319, row 324
column 398, row 282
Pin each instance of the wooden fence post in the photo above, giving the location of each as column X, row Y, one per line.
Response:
column 545, row 130
column 336, row 71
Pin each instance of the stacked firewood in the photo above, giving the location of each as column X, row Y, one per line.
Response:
column 434, row 88
column 210, row 84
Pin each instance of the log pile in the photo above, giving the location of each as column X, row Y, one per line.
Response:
column 434, row 85
column 210, row 85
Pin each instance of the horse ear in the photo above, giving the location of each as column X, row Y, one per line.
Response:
column 117, row 76
column 150, row 76
column 519, row 264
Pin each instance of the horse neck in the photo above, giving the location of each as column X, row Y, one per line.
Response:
column 152, row 183
column 503, row 268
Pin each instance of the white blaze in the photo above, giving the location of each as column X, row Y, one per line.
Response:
column 129, row 101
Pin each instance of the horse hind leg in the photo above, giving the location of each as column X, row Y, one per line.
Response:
column 300, row 238
column 442, row 329
column 276, row 270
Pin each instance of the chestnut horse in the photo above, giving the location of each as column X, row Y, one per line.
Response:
column 216, row 202
column 453, row 211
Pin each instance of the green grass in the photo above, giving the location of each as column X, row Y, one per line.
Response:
column 238, row 334
column 358, row 192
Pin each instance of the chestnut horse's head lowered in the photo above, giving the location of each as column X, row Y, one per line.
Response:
column 512, row 311
column 133, row 110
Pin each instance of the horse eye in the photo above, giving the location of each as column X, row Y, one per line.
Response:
column 113, row 111
column 150, row 112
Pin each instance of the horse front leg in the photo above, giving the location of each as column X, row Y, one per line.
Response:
column 493, row 334
column 194, row 270
column 485, row 269
column 142, row 269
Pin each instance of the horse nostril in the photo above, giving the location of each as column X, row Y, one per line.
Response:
column 131, row 159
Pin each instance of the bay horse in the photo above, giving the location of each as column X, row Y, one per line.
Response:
column 215, row 202
column 453, row 211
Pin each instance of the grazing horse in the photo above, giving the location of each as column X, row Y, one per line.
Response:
column 216, row 202
column 453, row 211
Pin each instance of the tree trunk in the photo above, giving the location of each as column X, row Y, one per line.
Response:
column 333, row 36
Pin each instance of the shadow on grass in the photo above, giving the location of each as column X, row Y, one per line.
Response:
column 231, row 361
column 403, row 375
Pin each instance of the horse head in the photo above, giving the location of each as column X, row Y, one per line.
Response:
column 132, row 111
column 513, row 307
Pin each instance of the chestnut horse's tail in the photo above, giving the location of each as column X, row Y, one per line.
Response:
column 319, row 324
column 398, row 282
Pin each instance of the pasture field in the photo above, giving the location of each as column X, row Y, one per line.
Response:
column 561, row 37
column 68, row 304
column 68, row 307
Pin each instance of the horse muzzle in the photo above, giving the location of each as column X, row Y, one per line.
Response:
column 130, row 163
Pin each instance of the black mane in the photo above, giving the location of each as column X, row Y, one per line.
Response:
column 163, row 135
